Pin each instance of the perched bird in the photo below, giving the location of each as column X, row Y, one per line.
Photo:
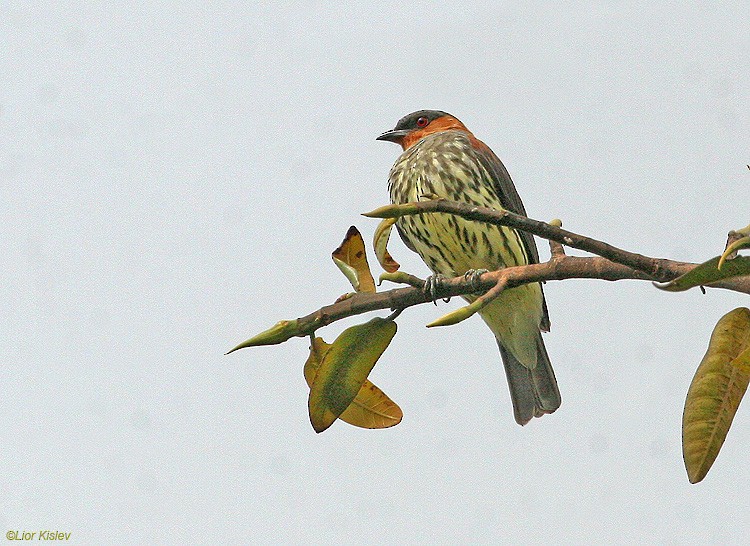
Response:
column 442, row 158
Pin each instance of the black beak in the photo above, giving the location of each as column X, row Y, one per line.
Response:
column 393, row 135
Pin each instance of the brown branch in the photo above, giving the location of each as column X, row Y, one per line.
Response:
column 613, row 265
column 657, row 269
column 557, row 269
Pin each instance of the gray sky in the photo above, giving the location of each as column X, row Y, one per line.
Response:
column 173, row 180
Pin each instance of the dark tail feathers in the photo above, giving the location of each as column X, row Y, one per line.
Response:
column 533, row 392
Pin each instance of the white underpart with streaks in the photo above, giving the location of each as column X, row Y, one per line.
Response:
column 446, row 165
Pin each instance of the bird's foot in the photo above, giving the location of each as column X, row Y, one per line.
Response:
column 474, row 276
column 432, row 286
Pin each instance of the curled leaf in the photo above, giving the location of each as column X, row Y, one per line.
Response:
column 344, row 369
column 706, row 273
column 278, row 333
column 737, row 240
column 715, row 393
column 371, row 408
column 393, row 211
column 380, row 243
column 351, row 259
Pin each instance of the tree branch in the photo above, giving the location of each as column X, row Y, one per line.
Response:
column 557, row 269
column 658, row 269
column 613, row 264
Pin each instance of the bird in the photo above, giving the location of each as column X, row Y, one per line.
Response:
column 442, row 159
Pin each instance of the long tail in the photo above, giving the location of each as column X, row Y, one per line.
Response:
column 534, row 391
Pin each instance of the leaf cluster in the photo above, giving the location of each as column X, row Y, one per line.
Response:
column 337, row 373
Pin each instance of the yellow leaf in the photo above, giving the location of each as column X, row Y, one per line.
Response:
column 351, row 259
column 318, row 349
column 343, row 370
column 715, row 393
column 371, row 408
column 742, row 362
column 380, row 243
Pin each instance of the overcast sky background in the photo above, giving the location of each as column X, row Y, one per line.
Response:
column 173, row 180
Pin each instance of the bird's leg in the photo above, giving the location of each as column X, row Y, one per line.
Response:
column 432, row 286
column 474, row 276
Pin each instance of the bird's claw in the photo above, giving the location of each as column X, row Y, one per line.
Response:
column 474, row 276
column 432, row 286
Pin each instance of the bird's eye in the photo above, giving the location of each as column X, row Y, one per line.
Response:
column 422, row 122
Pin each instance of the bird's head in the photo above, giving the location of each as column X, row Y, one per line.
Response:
column 417, row 125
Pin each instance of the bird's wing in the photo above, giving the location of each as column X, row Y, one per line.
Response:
column 405, row 239
column 508, row 195
column 511, row 201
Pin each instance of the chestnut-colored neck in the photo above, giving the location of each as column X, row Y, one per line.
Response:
column 444, row 123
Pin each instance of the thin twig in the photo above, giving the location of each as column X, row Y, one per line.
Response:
column 556, row 249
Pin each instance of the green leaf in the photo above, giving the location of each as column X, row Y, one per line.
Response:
column 393, row 211
column 371, row 408
column 708, row 272
column 402, row 278
column 458, row 315
column 715, row 393
column 344, row 369
column 278, row 333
